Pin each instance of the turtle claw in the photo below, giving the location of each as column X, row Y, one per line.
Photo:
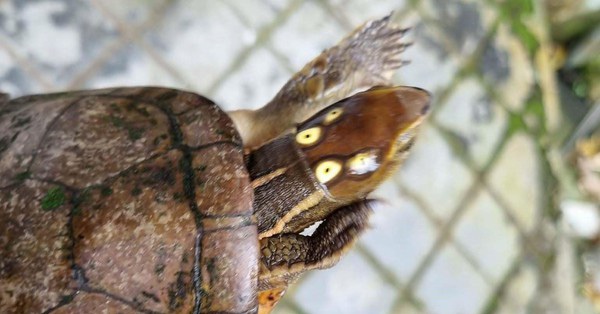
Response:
column 398, row 63
column 397, row 48
column 355, row 63
column 397, row 32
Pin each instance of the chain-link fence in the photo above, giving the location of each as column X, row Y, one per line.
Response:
column 469, row 225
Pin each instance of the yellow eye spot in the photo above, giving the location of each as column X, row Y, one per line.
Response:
column 362, row 163
column 333, row 115
column 309, row 136
column 327, row 170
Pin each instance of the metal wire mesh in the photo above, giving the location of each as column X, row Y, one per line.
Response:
column 469, row 224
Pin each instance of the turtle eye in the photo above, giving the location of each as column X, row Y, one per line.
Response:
column 332, row 115
column 363, row 163
column 309, row 136
column 327, row 170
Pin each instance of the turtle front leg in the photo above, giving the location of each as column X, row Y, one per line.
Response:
column 365, row 58
column 285, row 257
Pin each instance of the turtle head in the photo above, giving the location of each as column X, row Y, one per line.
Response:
column 334, row 158
column 355, row 144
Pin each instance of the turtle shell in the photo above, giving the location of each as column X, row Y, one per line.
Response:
column 124, row 200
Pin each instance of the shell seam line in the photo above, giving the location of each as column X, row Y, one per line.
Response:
column 190, row 193
column 119, row 299
column 48, row 128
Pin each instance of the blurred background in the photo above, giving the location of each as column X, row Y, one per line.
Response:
column 497, row 209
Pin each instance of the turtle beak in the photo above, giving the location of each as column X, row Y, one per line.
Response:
column 397, row 113
column 418, row 98
column 405, row 105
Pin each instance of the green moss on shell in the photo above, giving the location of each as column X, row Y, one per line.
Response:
column 159, row 269
column 116, row 121
column 135, row 133
column 115, row 107
column 54, row 198
column 200, row 168
column 136, row 191
column 67, row 298
column 106, row 191
column 22, row 176
column 18, row 122
column 4, row 143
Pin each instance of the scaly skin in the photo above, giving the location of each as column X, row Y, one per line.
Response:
column 366, row 57
column 334, row 160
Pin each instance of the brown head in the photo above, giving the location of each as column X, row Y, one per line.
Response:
column 355, row 144
column 336, row 157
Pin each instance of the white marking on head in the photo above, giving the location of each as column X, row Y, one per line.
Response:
column 362, row 163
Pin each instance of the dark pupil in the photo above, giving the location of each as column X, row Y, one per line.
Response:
column 307, row 136
column 326, row 170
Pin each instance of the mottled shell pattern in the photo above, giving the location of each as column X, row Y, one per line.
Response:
column 101, row 191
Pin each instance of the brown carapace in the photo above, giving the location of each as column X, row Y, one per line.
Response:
column 118, row 200
column 154, row 200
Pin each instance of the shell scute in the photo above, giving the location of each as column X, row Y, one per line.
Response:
column 231, row 285
column 132, row 182
column 99, row 137
column 35, row 269
column 176, row 101
column 138, row 239
column 207, row 124
column 93, row 303
column 222, row 185
column 22, row 128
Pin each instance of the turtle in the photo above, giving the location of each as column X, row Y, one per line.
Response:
column 155, row 200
